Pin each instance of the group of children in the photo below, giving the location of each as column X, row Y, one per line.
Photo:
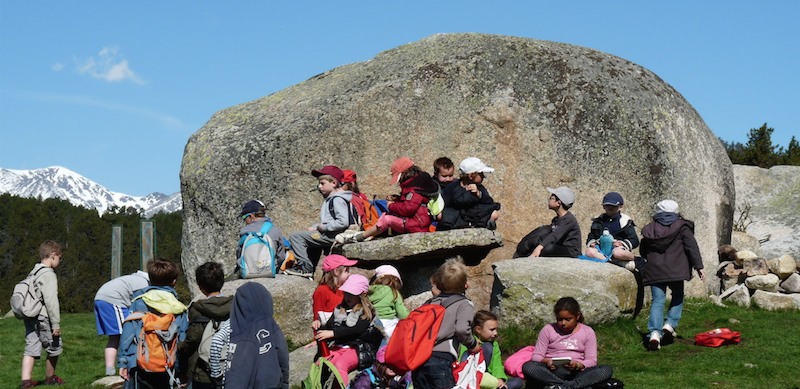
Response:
column 353, row 317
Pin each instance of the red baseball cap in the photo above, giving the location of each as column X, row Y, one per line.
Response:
column 330, row 170
column 349, row 176
column 399, row 166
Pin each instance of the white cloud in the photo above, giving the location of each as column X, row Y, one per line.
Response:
column 109, row 66
column 57, row 66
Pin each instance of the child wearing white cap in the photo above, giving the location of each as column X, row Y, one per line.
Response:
column 562, row 238
column 467, row 201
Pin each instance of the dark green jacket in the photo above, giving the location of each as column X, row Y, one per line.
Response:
column 215, row 308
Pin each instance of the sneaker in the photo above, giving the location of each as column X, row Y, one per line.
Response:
column 53, row 380
column 668, row 328
column 491, row 225
column 111, row 370
column 349, row 236
column 299, row 271
column 631, row 265
column 28, row 384
column 655, row 341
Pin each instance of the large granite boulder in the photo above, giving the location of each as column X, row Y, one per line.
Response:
column 526, row 290
column 541, row 113
column 774, row 198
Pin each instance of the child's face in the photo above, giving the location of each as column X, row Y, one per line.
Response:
column 350, row 300
column 476, row 178
column 611, row 210
column 567, row 321
column 343, row 272
column 488, row 331
column 55, row 260
column 446, row 175
column 435, row 289
column 326, row 187
column 553, row 203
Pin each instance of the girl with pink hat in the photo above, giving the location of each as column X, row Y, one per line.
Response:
column 335, row 271
column 351, row 329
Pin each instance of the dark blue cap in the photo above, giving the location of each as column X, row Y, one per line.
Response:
column 614, row 199
column 252, row 206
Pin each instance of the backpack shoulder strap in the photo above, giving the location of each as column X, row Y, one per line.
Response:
column 266, row 227
column 350, row 218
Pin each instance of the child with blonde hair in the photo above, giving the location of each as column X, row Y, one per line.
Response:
column 351, row 329
column 336, row 270
column 384, row 294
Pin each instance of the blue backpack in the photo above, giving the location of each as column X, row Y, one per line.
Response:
column 258, row 254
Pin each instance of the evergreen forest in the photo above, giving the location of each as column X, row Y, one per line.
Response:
column 759, row 150
column 85, row 237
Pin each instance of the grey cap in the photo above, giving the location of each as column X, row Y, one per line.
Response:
column 667, row 206
column 566, row 195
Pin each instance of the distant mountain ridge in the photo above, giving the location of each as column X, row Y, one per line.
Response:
column 60, row 182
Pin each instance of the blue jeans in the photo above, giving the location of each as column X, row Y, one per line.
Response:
column 659, row 291
column 436, row 373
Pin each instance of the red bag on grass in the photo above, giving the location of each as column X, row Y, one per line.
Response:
column 717, row 337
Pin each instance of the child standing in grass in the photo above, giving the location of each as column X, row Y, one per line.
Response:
column 44, row 332
column 567, row 337
column 671, row 250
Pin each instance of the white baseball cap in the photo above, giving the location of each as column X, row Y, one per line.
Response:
column 474, row 165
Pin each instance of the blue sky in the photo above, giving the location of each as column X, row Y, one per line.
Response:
column 113, row 90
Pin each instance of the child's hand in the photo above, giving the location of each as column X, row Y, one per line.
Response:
column 392, row 198
column 311, row 228
column 57, row 332
column 702, row 274
column 574, row 365
column 123, row 372
column 315, row 325
column 617, row 243
column 549, row 363
column 473, row 188
column 502, row 385
column 475, row 349
column 324, row 334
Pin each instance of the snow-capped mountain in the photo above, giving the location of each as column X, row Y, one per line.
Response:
column 65, row 184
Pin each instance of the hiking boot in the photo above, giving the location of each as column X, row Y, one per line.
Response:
column 668, row 329
column 655, row 341
column 28, row 384
column 53, row 380
column 349, row 236
column 491, row 225
column 299, row 271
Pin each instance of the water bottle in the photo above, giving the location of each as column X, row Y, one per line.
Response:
column 322, row 346
column 606, row 243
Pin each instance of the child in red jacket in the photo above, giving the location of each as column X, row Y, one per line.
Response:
column 408, row 212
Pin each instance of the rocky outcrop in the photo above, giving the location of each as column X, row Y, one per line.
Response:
column 469, row 242
column 541, row 113
column 526, row 290
column 773, row 196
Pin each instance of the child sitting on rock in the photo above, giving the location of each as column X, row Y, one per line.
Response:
column 384, row 293
column 562, row 238
column 408, row 212
column 621, row 230
column 467, row 202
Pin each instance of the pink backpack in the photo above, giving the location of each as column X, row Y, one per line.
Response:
column 514, row 363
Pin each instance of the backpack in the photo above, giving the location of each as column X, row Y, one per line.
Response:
column 414, row 337
column 323, row 375
column 366, row 212
column 717, row 337
column 204, row 348
column 25, row 300
column 382, row 206
column 157, row 342
column 436, row 206
column 258, row 254
column 353, row 218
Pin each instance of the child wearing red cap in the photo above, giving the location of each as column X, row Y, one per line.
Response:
column 408, row 212
column 351, row 329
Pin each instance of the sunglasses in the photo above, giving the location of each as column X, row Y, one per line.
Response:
column 245, row 216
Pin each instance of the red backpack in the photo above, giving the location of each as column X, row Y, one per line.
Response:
column 413, row 339
column 717, row 337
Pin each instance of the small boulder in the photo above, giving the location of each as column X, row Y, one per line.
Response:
column 755, row 267
column 792, row 283
column 291, row 297
column 742, row 255
column 743, row 241
column 738, row 295
column 783, row 266
column 768, row 282
column 300, row 361
column 112, row 381
column 729, row 275
column 776, row 301
column 525, row 290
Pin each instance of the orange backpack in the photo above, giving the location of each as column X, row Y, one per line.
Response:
column 157, row 343
column 366, row 211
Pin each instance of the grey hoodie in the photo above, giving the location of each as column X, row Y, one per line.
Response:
column 340, row 219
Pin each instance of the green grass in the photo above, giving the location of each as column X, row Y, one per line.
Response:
column 770, row 343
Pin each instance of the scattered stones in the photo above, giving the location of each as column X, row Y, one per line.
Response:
column 745, row 241
column 739, row 294
column 776, row 301
column 113, row 382
column 783, row 266
column 791, row 284
column 742, row 255
column 755, row 267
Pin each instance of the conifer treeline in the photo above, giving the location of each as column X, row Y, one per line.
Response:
column 86, row 238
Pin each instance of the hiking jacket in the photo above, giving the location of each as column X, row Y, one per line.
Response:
column 324, row 299
column 132, row 329
column 47, row 284
column 386, row 304
column 626, row 235
column 463, row 208
column 671, row 251
column 216, row 308
column 456, row 324
column 274, row 233
column 340, row 220
column 360, row 334
column 412, row 204
column 565, row 232
column 119, row 291
column 258, row 352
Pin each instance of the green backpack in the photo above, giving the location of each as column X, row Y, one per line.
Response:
column 323, row 375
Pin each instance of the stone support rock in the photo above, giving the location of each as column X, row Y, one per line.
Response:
column 768, row 283
column 776, row 301
column 783, row 266
column 792, row 283
column 755, row 267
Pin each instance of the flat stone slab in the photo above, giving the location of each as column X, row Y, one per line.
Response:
column 469, row 243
